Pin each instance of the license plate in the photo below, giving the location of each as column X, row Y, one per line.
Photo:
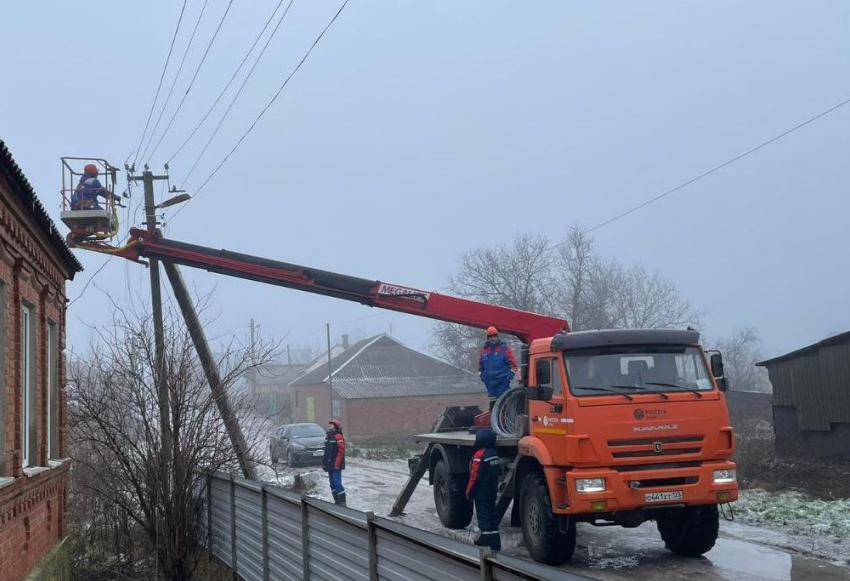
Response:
column 318, row 453
column 664, row 496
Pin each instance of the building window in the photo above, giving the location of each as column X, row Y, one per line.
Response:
column 52, row 390
column 28, row 384
column 336, row 408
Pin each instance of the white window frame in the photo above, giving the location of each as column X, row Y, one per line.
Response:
column 27, row 404
column 51, row 353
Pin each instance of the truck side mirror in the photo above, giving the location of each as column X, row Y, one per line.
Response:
column 717, row 365
column 543, row 371
column 540, row 392
column 718, row 373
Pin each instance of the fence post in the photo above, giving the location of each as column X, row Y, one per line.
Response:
column 264, row 515
column 486, row 566
column 372, row 534
column 305, row 540
column 209, row 518
column 233, row 525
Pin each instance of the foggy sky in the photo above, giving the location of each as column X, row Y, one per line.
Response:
column 418, row 130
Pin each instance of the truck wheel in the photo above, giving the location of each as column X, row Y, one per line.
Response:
column 453, row 508
column 550, row 539
column 690, row 531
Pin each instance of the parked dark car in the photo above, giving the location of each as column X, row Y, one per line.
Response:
column 297, row 444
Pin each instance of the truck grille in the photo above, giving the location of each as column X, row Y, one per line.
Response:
column 656, row 482
column 656, row 447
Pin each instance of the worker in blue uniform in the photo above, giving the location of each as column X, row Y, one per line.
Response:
column 496, row 366
column 485, row 469
column 87, row 192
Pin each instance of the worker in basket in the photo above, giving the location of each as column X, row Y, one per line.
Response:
column 89, row 190
column 496, row 366
column 485, row 469
column 334, row 460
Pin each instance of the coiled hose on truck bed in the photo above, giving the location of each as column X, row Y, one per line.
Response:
column 508, row 416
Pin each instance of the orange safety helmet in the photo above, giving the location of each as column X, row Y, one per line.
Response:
column 335, row 423
column 491, row 331
column 90, row 169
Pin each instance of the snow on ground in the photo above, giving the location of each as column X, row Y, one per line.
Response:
column 796, row 512
column 743, row 553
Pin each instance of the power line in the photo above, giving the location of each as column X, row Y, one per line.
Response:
column 227, row 86
column 270, row 103
column 195, row 76
column 176, row 77
column 156, row 96
column 91, row 278
column 238, row 92
column 719, row 167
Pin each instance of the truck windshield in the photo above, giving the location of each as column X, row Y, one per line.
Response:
column 637, row 369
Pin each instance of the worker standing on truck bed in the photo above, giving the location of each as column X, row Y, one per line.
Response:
column 485, row 469
column 334, row 460
column 496, row 366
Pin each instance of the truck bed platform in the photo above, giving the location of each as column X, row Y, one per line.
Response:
column 459, row 438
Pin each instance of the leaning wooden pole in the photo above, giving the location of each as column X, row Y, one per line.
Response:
column 199, row 338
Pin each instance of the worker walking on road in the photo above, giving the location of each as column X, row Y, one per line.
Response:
column 334, row 460
column 485, row 469
column 496, row 366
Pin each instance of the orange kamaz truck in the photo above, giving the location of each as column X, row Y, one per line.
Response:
column 620, row 427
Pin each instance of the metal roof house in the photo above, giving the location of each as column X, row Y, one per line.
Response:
column 382, row 388
column 811, row 398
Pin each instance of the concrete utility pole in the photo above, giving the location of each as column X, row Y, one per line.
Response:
column 147, row 178
column 199, row 339
column 196, row 331
column 330, row 373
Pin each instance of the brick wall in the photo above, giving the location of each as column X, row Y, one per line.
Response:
column 380, row 417
column 32, row 505
column 32, row 520
column 321, row 404
column 402, row 416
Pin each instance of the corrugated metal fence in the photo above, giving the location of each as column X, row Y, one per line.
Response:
column 265, row 533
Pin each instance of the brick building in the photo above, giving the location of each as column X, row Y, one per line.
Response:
column 383, row 390
column 34, row 265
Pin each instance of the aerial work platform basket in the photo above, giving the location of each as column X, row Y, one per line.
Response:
column 89, row 203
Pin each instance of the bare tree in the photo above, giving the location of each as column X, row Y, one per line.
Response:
column 115, row 433
column 740, row 354
column 515, row 275
column 647, row 300
column 568, row 279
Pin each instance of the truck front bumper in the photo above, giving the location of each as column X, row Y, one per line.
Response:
column 634, row 489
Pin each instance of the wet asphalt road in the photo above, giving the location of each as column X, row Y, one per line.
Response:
column 614, row 554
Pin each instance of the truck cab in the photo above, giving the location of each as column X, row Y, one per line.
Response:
column 624, row 426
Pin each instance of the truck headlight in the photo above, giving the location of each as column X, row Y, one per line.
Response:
column 724, row 476
column 590, row 485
